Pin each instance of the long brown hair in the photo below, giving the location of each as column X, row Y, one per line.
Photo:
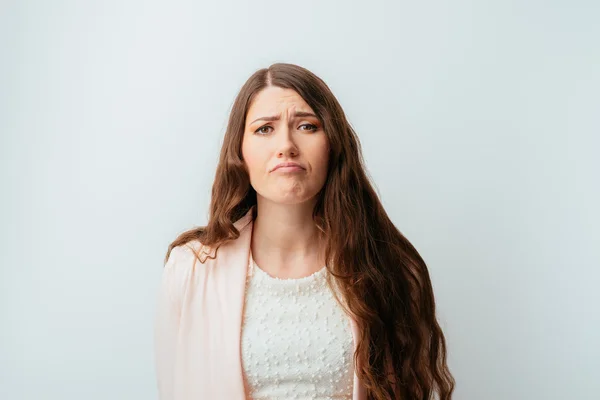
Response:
column 381, row 276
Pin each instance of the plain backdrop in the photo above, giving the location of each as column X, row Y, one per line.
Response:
column 479, row 122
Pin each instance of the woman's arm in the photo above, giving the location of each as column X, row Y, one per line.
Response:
column 166, row 327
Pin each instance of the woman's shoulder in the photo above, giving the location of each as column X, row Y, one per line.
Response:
column 184, row 255
column 178, row 271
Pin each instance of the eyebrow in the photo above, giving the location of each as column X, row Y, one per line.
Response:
column 277, row 117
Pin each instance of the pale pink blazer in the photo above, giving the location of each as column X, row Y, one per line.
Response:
column 198, row 322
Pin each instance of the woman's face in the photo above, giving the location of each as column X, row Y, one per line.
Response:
column 280, row 127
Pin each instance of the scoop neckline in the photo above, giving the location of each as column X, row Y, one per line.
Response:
column 269, row 277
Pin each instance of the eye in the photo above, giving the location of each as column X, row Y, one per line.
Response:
column 311, row 126
column 260, row 130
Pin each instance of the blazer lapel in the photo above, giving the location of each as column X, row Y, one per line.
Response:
column 358, row 391
column 226, row 278
column 237, row 258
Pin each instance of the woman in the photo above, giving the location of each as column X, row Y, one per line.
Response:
column 300, row 286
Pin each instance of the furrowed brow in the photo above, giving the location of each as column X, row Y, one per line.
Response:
column 277, row 117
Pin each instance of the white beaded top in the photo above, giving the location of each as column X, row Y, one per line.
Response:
column 296, row 340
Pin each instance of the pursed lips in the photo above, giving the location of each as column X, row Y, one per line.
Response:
column 288, row 166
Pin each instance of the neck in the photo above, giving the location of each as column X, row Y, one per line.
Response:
column 285, row 240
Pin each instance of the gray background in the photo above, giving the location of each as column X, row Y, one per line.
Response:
column 479, row 122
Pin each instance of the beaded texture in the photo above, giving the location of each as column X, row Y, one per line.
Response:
column 296, row 340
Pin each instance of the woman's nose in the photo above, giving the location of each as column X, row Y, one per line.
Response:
column 286, row 143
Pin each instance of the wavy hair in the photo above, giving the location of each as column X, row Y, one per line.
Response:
column 382, row 279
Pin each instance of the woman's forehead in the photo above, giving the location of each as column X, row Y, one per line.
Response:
column 274, row 100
